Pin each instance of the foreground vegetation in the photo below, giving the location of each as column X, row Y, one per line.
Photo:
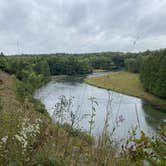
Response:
column 127, row 83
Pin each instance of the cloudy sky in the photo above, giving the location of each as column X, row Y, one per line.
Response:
column 47, row 26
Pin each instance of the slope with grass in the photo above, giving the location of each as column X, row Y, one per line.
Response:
column 126, row 83
column 28, row 137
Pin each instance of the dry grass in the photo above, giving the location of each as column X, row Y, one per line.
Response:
column 7, row 93
column 10, row 103
column 9, row 100
column 127, row 83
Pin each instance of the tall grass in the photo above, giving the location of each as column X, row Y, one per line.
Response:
column 37, row 141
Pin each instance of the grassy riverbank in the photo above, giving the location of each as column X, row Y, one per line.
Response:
column 126, row 83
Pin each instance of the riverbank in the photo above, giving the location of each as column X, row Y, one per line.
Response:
column 126, row 83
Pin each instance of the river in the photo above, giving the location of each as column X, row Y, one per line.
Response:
column 125, row 112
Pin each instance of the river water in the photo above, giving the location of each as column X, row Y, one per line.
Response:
column 125, row 112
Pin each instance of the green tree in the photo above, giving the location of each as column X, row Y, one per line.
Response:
column 153, row 73
column 131, row 65
column 42, row 67
column 3, row 61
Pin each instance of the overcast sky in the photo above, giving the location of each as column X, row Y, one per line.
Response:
column 48, row 26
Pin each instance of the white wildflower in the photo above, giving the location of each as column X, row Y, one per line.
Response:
column 27, row 132
column 38, row 120
column 20, row 138
column 4, row 139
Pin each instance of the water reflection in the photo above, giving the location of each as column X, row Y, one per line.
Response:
column 154, row 117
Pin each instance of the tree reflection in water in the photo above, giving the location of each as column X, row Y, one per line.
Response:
column 154, row 117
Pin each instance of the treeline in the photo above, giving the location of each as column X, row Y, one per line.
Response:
column 152, row 68
column 33, row 70
column 107, row 60
column 133, row 64
column 61, row 63
column 153, row 73
column 69, row 65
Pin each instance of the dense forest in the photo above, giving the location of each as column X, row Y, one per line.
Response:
column 61, row 64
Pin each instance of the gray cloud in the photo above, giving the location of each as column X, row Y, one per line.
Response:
column 39, row 26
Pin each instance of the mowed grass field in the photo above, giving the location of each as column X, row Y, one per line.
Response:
column 126, row 83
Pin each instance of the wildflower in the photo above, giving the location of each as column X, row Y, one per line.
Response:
column 27, row 132
column 4, row 139
column 119, row 120
column 19, row 138
column 38, row 120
